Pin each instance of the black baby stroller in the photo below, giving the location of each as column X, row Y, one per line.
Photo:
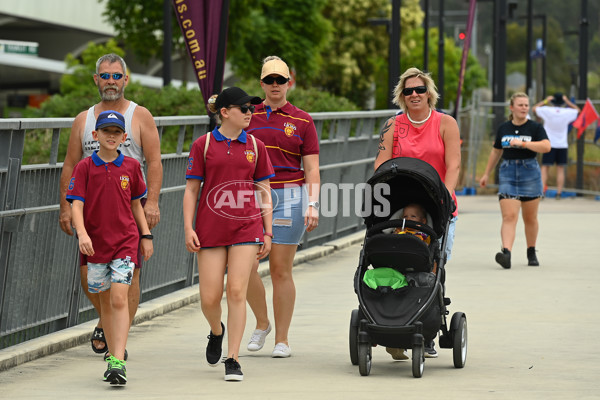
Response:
column 408, row 316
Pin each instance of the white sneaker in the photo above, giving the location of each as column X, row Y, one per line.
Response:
column 281, row 350
column 257, row 341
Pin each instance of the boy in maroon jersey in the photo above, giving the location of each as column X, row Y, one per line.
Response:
column 105, row 191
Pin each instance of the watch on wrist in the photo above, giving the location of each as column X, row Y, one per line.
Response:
column 147, row 237
column 314, row 204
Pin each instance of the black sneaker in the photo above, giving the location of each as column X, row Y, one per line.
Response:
column 214, row 349
column 430, row 351
column 503, row 258
column 532, row 258
column 233, row 370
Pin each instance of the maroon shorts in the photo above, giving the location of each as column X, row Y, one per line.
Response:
column 83, row 257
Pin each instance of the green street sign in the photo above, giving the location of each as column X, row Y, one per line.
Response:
column 16, row 47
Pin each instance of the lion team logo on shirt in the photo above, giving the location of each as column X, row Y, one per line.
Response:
column 289, row 129
column 124, row 182
column 250, row 156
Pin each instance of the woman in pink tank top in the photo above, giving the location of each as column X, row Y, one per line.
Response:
column 421, row 131
column 424, row 133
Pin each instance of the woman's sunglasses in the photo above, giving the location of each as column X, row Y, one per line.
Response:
column 409, row 90
column 279, row 79
column 244, row 109
column 106, row 76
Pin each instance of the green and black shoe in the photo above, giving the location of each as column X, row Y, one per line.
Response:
column 116, row 373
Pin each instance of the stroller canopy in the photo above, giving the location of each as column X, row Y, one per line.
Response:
column 410, row 180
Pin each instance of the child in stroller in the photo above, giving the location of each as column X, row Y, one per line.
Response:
column 412, row 212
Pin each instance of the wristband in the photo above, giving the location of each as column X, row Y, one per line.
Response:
column 269, row 234
column 147, row 237
column 546, row 101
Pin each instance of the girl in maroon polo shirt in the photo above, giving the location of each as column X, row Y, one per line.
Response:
column 232, row 229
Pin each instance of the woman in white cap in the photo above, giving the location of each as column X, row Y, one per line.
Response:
column 292, row 142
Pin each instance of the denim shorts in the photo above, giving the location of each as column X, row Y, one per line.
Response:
column 450, row 238
column 520, row 179
column 289, row 206
column 100, row 276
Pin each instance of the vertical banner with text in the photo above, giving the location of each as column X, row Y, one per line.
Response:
column 203, row 24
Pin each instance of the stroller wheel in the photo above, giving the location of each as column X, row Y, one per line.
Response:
column 418, row 361
column 364, row 358
column 353, row 338
column 460, row 339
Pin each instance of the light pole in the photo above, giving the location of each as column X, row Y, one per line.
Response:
column 583, row 69
column 529, row 78
column 441, row 55
column 167, row 39
column 394, row 67
column 393, row 29
column 499, row 92
column 426, row 37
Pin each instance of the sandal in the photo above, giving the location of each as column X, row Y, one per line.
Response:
column 98, row 335
column 107, row 354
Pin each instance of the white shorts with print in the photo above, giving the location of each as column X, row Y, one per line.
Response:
column 100, row 276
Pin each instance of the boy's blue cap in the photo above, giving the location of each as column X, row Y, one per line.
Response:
column 110, row 118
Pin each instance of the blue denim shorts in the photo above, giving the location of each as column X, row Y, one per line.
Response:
column 100, row 276
column 520, row 179
column 289, row 206
column 450, row 238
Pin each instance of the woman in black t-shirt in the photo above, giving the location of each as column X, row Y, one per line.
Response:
column 518, row 141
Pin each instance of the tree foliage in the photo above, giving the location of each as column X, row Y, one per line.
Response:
column 357, row 61
column 297, row 32
column 139, row 24
column 360, row 46
column 559, row 75
column 412, row 55
column 331, row 45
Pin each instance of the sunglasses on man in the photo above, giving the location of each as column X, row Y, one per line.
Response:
column 279, row 79
column 106, row 76
column 245, row 108
column 409, row 90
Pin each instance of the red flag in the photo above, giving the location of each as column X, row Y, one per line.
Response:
column 204, row 27
column 587, row 116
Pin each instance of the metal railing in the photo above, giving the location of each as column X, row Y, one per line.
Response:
column 478, row 136
column 39, row 276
